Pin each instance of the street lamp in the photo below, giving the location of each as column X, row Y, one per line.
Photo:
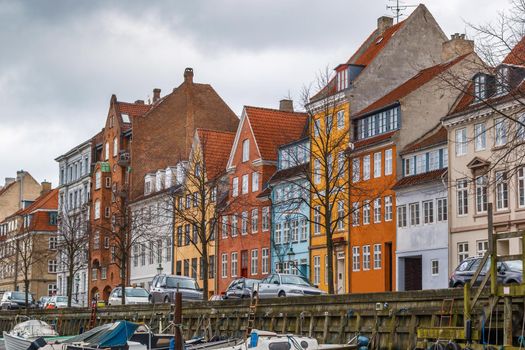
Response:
column 77, row 283
column 159, row 269
column 291, row 255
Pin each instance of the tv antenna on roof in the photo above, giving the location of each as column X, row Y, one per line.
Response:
column 397, row 8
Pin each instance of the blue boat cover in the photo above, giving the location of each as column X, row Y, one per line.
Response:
column 107, row 335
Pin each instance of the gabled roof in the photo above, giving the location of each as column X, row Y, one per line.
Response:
column 216, row 146
column 272, row 128
column 288, row 173
column 412, row 84
column 436, row 136
column 47, row 201
column 420, row 179
column 517, row 55
column 478, row 162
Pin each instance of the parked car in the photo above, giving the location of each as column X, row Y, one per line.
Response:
column 163, row 288
column 240, row 288
column 59, row 302
column 134, row 295
column 216, row 297
column 283, row 285
column 508, row 272
column 15, row 300
column 41, row 303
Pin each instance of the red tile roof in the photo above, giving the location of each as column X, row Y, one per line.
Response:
column 419, row 179
column 133, row 109
column 47, row 201
column 216, row 146
column 438, row 135
column 272, row 128
column 420, row 79
column 366, row 54
column 373, row 140
column 517, row 55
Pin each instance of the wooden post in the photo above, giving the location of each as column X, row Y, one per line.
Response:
column 178, row 321
column 466, row 304
column 493, row 249
column 507, row 321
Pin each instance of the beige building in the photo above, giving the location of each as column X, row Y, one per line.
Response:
column 17, row 193
column 486, row 132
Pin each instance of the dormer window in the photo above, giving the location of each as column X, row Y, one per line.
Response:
column 342, row 79
column 480, row 87
column 147, row 188
column 502, row 80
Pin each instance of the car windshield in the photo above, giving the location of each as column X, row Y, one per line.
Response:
column 250, row 283
column 515, row 265
column 183, row 283
column 136, row 292
column 464, row 265
column 20, row 296
column 286, row 279
column 62, row 299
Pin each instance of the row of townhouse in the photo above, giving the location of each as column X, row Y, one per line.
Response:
column 372, row 188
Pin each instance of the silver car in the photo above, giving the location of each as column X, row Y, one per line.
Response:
column 285, row 285
column 134, row 295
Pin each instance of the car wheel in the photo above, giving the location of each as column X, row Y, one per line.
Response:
column 281, row 294
column 166, row 300
column 512, row 282
column 150, row 300
column 458, row 285
column 254, row 295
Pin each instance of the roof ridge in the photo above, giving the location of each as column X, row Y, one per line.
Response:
column 216, row 131
column 275, row 110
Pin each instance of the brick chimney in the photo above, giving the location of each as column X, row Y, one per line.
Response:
column 188, row 75
column 156, row 94
column 456, row 46
column 383, row 23
column 286, row 105
column 9, row 181
column 46, row 187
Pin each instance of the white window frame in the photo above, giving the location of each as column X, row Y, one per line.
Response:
column 317, row 270
column 377, row 164
column 502, row 191
column 265, row 260
column 245, row 150
column 254, row 263
column 480, row 137
column 378, row 259
column 428, row 212
column 462, row 251
column 366, row 212
column 388, row 162
column 366, row 257
column 255, row 220
column 366, row 167
column 234, row 264
column 415, row 214
column 317, row 220
column 388, row 208
column 244, row 188
column 434, row 267
column 224, row 265
column 462, row 197
column 356, row 258
column 377, row 210
column 461, row 142
column 235, row 187
column 481, row 194
column 255, row 181
column 356, row 171
column 265, row 219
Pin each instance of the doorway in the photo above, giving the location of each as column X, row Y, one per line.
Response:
column 388, row 266
column 340, row 270
column 244, row 263
column 413, row 273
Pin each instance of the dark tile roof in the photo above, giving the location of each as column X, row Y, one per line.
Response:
column 438, row 135
column 373, row 140
column 419, row 179
column 289, row 172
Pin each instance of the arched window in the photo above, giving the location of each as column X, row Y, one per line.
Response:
column 115, row 147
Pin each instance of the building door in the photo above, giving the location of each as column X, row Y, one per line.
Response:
column 388, row 266
column 340, row 273
column 413, row 273
column 244, row 263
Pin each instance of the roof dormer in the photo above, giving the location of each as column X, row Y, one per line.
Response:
column 159, row 180
column 149, row 183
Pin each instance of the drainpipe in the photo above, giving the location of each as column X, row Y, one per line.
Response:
column 21, row 188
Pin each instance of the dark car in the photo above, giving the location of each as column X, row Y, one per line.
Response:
column 240, row 288
column 15, row 300
column 509, row 272
column 163, row 288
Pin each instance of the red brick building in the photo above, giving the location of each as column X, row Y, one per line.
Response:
column 244, row 237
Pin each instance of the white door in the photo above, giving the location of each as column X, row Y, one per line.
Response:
column 340, row 273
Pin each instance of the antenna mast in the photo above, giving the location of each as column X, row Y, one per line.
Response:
column 398, row 8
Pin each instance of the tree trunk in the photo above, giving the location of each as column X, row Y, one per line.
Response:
column 123, row 278
column 26, row 286
column 69, row 288
column 329, row 251
column 204, row 272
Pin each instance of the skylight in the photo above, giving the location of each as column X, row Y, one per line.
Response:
column 125, row 118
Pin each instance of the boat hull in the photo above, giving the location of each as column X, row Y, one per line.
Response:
column 13, row 342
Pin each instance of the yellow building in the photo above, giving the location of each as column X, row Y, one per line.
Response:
column 203, row 186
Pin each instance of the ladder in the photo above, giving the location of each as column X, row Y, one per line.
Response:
column 93, row 316
column 254, row 302
column 445, row 316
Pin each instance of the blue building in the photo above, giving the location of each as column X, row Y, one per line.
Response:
column 290, row 234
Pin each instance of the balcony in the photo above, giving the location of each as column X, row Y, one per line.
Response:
column 123, row 158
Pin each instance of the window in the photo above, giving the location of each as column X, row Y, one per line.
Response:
column 340, row 215
column 103, row 273
column 500, row 130
column 52, row 266
column 428, row 212
column 317, row 270
column 286, row 232
column 107, row 212
column 135, row 255
column 442, row 209
column 53, row 242
column 366, row 257
column 388, row 208
column 244, row 223
column 408, row 163
column 142, row 254
column 98, row 180
column 317, row 220
column 502, row 191
column 115, row 147
column 377, row 256
column 254, row 262
column 304, row 231
column 341, row 164
column 107, row 151
column 355, row 169
column 402, row 216
column 224, row 265
column 255, row 182
column 377, row 210
column 246, row 150
column 106, row 242
column 317, row 127
column 414, row 214
column 434, row 267
column 265, row 260
column 188, row 201
column 265, row 218
column 186, row 267
column 234, row 225
column 245, row 184
column 340, row 119
column 355, row 214
column 520, row 128
column 481, row 194
column 186, row 234
column 366, row 212
column 224, row 226
column 234, row 265
column 317, row 171
column 482, row 247
column 377, row 164
column 255, row 220
column 462, row 251
column 462, row 196
column 502, row 80
column 94, row 274
column 328, row 123
column 433, row 160
column 388, row 162
column 356, row 259
column 151, row 253
column 235, row 187
column 461, row 142
column 97, row 209
column 168, row 249
column 51, row 289
column 521, row 187
column 195, row 199
column 480, row 137
column 479, row 87
column 421, row 163
column 278, row 233
column 366, row 167
column 294, row 227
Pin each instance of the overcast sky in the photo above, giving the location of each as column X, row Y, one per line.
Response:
column 60, row 61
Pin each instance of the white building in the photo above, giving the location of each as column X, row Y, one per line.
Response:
column 422, row 217
column 152, row 228
column 73, row 213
